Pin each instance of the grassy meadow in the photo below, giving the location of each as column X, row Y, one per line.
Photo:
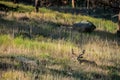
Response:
column 35, row 46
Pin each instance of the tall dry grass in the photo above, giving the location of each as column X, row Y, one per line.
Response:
column 51, row 49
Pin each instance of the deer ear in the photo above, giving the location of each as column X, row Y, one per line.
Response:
column 72, row 50
column 83, row 51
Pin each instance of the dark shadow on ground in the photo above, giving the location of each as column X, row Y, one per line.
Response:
column 42, row 69
column 104, row 35
column 7, row 8
column 96, row 12
column 41, row 27
column 112, row 71
column 99, row 12
column 51, row 30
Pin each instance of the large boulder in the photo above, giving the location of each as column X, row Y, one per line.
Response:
column 84, row 26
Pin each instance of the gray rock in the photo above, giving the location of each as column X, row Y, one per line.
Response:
column 84, row 26
column 26, row 61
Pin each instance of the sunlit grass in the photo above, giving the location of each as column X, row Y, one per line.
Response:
column 55, row 54
column 20, row 7
column 15, row 75
column 36, row 47
column 63, row 18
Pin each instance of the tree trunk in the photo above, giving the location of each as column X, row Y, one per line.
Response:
column 37, row 5
column 118, row 31
column 15, row 1
column 119, row 20
column 73, row 3
column 88, row 4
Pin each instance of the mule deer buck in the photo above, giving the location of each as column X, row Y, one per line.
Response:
column 81, row 59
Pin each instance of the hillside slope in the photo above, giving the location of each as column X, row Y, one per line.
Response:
column 35, row 46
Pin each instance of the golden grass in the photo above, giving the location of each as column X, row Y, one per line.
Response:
column 103, row 54
column 15, row 75
column 102, row 48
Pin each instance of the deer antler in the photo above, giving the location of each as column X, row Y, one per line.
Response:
column 73, row 53
column 81, row 60
column 81, row 55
